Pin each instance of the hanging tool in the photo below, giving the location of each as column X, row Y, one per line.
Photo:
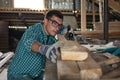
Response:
column 69, row 35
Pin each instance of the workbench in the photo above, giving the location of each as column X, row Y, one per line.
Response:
column 87, row 69
column 70, row 70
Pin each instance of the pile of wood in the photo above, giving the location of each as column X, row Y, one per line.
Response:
column 78, row 63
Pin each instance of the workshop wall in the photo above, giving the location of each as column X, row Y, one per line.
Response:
column 4, row 36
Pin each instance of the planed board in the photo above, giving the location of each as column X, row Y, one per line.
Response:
column 72, row 50
column 89, row 69
column 50, row 71
column 67, row 70
column 78, row 70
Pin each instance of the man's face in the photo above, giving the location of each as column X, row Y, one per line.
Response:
column 52, row 25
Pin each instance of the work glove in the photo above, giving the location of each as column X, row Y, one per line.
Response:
column 51, row 51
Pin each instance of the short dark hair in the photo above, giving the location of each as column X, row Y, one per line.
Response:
column 56, row 13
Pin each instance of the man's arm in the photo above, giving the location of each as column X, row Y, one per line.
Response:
column 50, row 51
column 35, row 47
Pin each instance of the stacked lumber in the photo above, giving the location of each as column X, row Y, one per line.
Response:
column 72, row 67
column 96, row 66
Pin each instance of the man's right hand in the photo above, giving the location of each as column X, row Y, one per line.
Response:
column 51, row 51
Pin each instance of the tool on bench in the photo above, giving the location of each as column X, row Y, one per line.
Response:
column 69, row 35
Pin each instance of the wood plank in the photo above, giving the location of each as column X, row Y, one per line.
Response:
column 100, row 11
column 99, row 34
column 114, row 5
column 78, row 70
column 89, row 69
column 112, row 75
column 112, row 60
column 83, row 15
column 72, row 50
column 50, row 71
column 67, row 70
column 112, row 26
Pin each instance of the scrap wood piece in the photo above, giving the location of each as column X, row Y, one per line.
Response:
column 50, row 71
column 112, row 75
column 72, row 50
column 4, row 60
column 67, row 70
column 110, row 61
column 109, row 55
column 89, row 69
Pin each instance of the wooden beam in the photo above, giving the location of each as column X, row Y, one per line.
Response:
column 89, row 69
column 93, row 11
column 83, row 15
column 78, row 70
column 114, row 5
column 113, row 75
column 72, row 50
column 112, row 59
column 67, row 70
column 100, row 10
column 50, row 71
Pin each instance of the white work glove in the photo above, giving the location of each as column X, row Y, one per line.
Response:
column 51, row 51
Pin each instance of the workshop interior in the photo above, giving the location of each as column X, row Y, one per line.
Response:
column 91, row 49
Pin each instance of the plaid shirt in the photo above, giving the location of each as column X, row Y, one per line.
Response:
column 25, row 61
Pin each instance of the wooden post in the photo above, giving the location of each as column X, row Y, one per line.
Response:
column 100, row 10
column 83, row 15
column 93, row 13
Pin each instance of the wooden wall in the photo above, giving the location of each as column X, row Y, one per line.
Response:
column 4, row 45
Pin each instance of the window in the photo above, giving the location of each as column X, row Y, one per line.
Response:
column 32, row 4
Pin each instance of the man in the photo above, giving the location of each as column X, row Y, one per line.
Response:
column 35, row 45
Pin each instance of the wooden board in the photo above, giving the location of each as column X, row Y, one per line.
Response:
column 72, row 50
column 76, row 62
column 78, row 70
column 50, row 71
column 113, row 26
column 99, row 34
column 67, row 70
column 89, row 69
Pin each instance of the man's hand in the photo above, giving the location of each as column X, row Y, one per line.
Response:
column 51, row 51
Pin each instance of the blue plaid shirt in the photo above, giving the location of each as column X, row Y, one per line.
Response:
column 25, row 61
